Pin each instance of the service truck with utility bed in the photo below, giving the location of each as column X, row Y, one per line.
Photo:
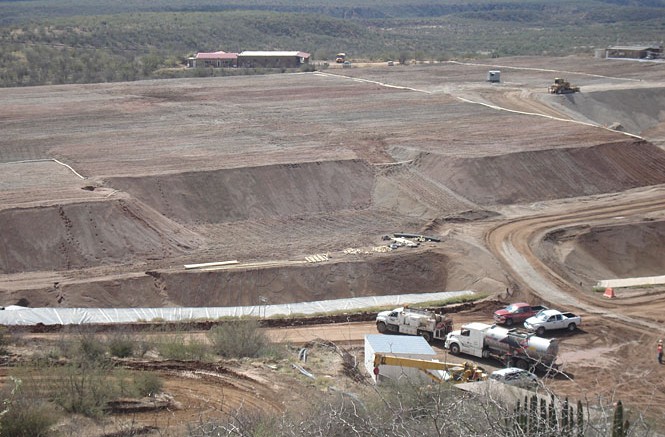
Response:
column 548, row 320
column 412, row 321
column 516, row 313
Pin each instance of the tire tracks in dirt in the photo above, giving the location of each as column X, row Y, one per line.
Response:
column 511, row 242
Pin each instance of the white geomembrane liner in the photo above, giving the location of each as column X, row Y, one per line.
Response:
column 16, row 315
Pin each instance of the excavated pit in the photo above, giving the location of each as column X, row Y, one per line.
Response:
column 589, row 254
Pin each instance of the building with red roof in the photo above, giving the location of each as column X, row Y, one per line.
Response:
column 250, row 59
column 213, row 59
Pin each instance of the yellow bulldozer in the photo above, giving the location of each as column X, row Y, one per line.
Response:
column 561, row 86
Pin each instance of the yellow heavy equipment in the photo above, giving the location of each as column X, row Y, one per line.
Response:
column 561, row 86
column 450, row 372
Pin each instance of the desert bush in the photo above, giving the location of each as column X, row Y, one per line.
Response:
column 148, row 383
column 24, row 414
column 180, row 347
column 141, row 347
column 4, row 340
column 121, row 345
column 401, row 409
column 28, row 419
column 85, row 384
column 90, row 347
column 238, row 339
column 82, row 388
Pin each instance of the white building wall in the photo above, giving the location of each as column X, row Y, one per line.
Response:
column 398, row 346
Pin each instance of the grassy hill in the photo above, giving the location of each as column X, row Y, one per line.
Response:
column 82, row 41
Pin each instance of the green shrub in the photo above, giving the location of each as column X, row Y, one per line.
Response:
column 4, row 340
column 238, row 339
column 148, row 383
column 28, row 419
column 91, row 348
column 121, row 346
column 178, row 347
column 24, row 413
column 82, row 388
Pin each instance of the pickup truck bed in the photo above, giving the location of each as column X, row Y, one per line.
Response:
column 552, row 319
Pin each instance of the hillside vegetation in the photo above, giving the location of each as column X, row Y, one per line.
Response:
column 84, row 41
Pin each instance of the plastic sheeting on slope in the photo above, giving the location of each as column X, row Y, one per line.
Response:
column 76, row 316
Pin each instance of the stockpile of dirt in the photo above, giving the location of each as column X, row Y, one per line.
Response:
column 549, row 174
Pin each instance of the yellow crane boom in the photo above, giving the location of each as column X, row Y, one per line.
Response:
column 456, row 373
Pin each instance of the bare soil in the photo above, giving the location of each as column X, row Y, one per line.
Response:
column 533, row 197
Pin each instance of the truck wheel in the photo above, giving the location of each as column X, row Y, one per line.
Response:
column 572, row 327
column 426, row 335
column 540, row 331
column 381, row 327
column 522, row 364
column 454, row 348
column 509, row 322
column 486, row 353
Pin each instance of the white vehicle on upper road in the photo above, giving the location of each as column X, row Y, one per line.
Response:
column 548, row 320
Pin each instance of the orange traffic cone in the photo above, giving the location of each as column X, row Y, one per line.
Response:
column 609, row 293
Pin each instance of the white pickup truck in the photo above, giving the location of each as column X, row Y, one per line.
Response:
column 547, row 320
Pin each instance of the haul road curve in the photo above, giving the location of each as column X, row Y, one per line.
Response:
column 513, row 242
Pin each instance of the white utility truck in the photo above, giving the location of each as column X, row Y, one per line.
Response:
column 411, row 321
column 512, row 348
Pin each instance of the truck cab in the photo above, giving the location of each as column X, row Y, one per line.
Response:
column 470, row 339
column 389, row 317
column 412, row 321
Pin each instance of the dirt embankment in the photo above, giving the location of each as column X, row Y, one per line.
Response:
column 253, row 193
column 635, row 110
column 412, row 272
column 608, row 251
column 535, row 176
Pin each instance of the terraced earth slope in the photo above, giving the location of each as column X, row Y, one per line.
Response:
column 165, row 173
column 107, row 191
